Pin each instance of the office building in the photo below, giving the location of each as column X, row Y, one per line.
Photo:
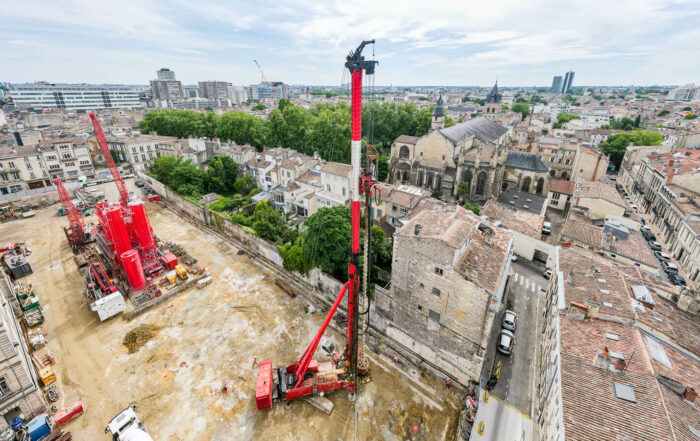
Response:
column 166, row 89
column 556, row 84
column 238, row 94
column 44, row 95
column 568, row 81
column 214, row 90
column 265, row 90
column 165, row 74
column 688, row 93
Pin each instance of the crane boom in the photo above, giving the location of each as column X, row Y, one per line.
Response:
column 104, row 148
column 265, row 80
column 75, row 216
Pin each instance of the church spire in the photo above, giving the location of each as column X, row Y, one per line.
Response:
column 494, row 96
column 438, row 121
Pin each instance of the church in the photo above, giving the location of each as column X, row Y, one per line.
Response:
column 474, row 152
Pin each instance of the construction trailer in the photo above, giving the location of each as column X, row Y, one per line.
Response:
column 308, row 377
column 101, row 293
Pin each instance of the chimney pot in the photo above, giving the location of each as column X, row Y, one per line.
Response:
column 419, row 227
column 689, row 394
column 606, row 352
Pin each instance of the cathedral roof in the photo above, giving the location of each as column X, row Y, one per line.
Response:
column 525, row 160
column 494, row 96
column 482, row 128
column 439, row 109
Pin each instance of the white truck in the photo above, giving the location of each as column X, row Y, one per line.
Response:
column 126, row 426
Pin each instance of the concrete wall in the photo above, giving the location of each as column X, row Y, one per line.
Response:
column 525, row 247
column 599, row 208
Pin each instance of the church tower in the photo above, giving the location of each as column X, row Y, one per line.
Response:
column 492, row 106
column 438, row 121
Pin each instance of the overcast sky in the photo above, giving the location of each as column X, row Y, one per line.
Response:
column 431, row 42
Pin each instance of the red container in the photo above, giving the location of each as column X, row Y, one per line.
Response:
column 64, row 415
column 263, row 391
column 169, row 261
column 118, row 232
column 142, row 228
column 134, row 270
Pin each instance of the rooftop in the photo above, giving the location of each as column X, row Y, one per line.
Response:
column 598, row 190
column 337, row 168
column 562, row 186
column 525, row 160
column 482, row 128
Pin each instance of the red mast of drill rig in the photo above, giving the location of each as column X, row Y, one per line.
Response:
column 308, row 376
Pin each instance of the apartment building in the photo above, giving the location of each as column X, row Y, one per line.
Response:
column 618, row 357
column 138, row 150
column 214, row 90
column 590, row 164
column 67, row 158
column 20, row 393
column 559, row 154
column 335, row 184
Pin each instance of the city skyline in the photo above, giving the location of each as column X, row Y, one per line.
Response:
column 625, row 43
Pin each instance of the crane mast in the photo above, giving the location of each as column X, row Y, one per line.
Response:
column 104, row 148
column 264, row 80
column 76, row 236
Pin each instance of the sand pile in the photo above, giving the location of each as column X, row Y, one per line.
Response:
column 139, row 336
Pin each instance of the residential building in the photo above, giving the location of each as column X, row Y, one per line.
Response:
column 560, row 193
column 165, row 74
column 67, row 158
column 22, row 168
column 237, row 94
column 285, row 194
column 690, row 93
column 335, row 184
column 559, row 154
column 556, row 84
column 397, row 203
column 619, row 356
column 20, row 391
column 214, row 90
column 568, row 82
column 522, row 214
column 599, row 200
column 267, row 89
column 265, row 167
column 73, row 96
column 449, row 274
column 241, row 154
column 138, row 150
column 633, row 157
column 590, row 164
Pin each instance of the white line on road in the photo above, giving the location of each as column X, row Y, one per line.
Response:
column 527, row 284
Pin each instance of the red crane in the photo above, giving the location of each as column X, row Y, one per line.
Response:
column 76, row 231
column 308, row 376
column 99, row 134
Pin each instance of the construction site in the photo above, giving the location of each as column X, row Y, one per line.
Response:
column 144, row 312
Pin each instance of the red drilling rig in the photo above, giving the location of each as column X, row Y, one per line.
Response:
column 307, row 376
column 104, row 148
column 76, row 233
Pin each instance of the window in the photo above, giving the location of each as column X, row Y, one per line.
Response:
column 73, row 173
column 15, row 188
column 657, row 352
column 15, row 175
column 150, row 156
column 84, row 162
column 29, row 166
column 66, row 156
column 289, row 174
column 50, row 157
column 31, row 175
column 328, row 187
column 268, row 179
column 436, row 291
column 379, row 213
column 70, row 164
column 141, row 148
column 624, row 392
column 438, row 271
column 148, row 148
column 63, row 147
column 555, row 197
column 4, row 388
column 54, row 167
column 143, row 158
column 5, row 178
column 26, row 159
column 611, row 336
column 133, row 150
column 433, row 320
column 343, row 191
column 11, row 164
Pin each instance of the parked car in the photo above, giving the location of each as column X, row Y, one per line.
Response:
column 648, row 235
column 139, row 183
column 661, row 255
column 547, row 228
column 634, row 207
column 509, row 320
column 613, row 178
column 513, row 258
column 547, row 274
column 676, row 279
column 655, row 245
column 669, row 267
column 506, row 339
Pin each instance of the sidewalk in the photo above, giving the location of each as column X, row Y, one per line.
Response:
column 496, row 420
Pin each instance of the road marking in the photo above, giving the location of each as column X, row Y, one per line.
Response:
column 533, row 287
column 527, row 284
column 515, row 277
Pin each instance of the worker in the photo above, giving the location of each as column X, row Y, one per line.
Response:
column 255, row 362
column 448, row 383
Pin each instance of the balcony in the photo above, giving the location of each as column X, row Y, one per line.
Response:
column 69, row 158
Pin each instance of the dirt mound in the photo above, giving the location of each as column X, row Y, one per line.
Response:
column 139, row 336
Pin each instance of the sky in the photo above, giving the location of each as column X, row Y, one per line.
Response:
column 431, row 42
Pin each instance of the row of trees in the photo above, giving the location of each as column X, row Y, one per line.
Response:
column 184, row 177
column 324, row 128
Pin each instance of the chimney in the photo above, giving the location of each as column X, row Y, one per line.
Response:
column 488, row 236
column 419, row 227
column 689, row 394
column 570, row 276
column 591, row 271
column 671, row 173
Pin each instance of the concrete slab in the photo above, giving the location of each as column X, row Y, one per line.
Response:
column 321, row 403
column 500, row 421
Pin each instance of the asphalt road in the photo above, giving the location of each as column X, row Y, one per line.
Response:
column 522, row 294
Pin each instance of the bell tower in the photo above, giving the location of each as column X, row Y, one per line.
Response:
column 438, row 121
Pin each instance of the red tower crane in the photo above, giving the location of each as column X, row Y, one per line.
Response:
column 76, row 231
column 118, row 181
column 308, row 376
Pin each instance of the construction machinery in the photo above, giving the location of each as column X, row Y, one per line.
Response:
column 104, row 148
column 181, row 272
column 307, row 376
column 77, row 233
column 264, row 80
column 126, row 426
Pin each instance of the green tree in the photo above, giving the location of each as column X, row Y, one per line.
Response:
column 449, row 122
column 663, row 113
column 244, row 185
column 259, row 106
column 268, row 223
column 221, row 175
column 616, row 145
column 326, row 240
column 382, row 168
column 381, row 247
column 463, row 189
column 687, row 109
column 187, row 179
column 294, row 258
column 241, row 219
column 690, row 116
column 505, row 107
column 521, row 108
column 473, row 208
column 564, row 118
column 282, row 103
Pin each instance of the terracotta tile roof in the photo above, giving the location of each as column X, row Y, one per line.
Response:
column 20, row 150
column 485, row 263
column 337, row 168
column 451, row 226
column 598, row 190
column 529, row 224
column 580, row 229
column 562, row 186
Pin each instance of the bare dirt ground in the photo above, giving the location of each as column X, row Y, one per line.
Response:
column 205, row 340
